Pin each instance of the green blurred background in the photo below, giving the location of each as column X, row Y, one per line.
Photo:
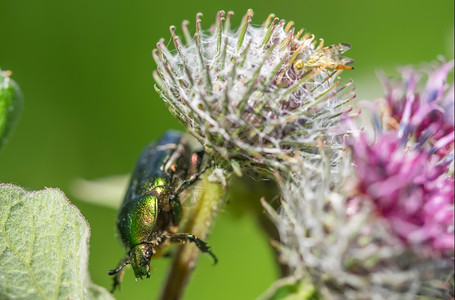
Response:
column 85, row 69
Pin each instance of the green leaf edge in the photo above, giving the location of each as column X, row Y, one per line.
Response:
column 93, row 291
column 11, row 103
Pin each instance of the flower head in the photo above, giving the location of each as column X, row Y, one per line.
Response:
column 405, row 172
column 254, row 95
column 421, row 114
column 349, row 252
column 378, row 224
column 408, row 189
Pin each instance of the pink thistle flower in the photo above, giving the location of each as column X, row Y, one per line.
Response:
column 424, row 116
column 409, row 189
column 365, row 246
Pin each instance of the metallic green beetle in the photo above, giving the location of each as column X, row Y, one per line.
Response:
column 151, row 211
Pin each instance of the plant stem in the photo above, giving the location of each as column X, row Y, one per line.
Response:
column 210, row 197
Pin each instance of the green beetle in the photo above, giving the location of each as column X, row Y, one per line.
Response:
column 151, row 211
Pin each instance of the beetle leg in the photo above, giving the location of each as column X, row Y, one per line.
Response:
column 176, row 208
column 119, row 272
column 183, row 238
column 193, row 178
column 187, row 183
column 196, row 161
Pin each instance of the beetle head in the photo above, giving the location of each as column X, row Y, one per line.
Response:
column 140, row 257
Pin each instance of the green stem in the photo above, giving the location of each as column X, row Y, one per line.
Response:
column 210, row 197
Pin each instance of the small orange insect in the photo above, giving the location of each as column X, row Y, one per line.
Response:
column 326, row 58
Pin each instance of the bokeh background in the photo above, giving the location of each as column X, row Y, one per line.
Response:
column 85, row 69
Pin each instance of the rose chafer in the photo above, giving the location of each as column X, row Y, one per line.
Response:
column 151, row 211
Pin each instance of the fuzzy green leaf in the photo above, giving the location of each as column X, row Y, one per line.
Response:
column 43, row 247
column 10, row 105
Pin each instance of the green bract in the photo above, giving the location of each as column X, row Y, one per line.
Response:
column 43, row 247
column 10, row 105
